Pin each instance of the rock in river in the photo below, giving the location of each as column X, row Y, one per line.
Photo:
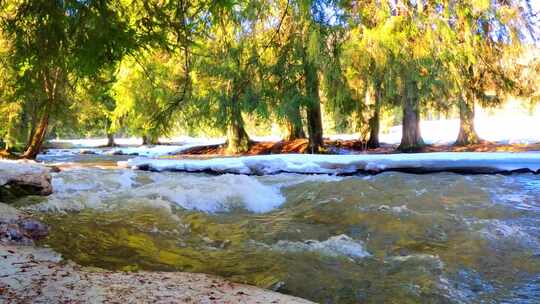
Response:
column 19, row 178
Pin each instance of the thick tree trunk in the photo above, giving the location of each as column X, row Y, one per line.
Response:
column 39, row 132
column 293, row 123
column 237, row 137
column 314, row 117
column 374, row 121
column 36, row 141
column 110, row 140
column 467, row 133
column 411, row 140
column 315, row 128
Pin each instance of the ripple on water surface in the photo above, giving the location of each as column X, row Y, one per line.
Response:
column 437, row 238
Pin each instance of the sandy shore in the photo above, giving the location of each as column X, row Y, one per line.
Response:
column 38, row 275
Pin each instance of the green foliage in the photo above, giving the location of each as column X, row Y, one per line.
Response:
column 151, row 68
column 145, row 85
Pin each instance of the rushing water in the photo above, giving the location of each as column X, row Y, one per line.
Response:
column 393, row 237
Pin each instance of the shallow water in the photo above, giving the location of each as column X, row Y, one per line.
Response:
column 393, row 237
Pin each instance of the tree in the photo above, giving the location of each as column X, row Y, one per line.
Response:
column 369, row 69
column 53, row 44
column 145, row 85
column 480, row 38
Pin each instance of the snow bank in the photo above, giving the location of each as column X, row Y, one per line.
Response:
column 147, row 151
column 39, row 275
column 464, row 162
column 96, row 142
column 133, row 147
column 34, row 178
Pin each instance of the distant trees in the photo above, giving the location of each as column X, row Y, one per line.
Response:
column 480, row 41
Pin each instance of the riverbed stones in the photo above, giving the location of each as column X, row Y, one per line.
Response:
column 17, row 228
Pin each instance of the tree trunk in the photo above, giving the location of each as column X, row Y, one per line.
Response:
column 374, row 121
column 411, row 140
column 150, row 139
column 33, row 124
column 314, row 117
column 110, row 140
column 467, row 133
column 293, row 123
column 11, row 136
column 237, row 137
column 36, row 141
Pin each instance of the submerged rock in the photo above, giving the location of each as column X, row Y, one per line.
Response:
column 339, row 245
column 16, row 228
column 18, row 178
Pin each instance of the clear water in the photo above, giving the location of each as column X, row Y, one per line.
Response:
column 393, row 237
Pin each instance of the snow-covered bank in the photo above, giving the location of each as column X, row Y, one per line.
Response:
column 349, row 164
column 149, row 151
column 18, row 177
column 129, row 146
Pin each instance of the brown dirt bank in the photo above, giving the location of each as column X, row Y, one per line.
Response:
column 352, row 147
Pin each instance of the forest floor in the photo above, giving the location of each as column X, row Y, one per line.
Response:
column 352, row 147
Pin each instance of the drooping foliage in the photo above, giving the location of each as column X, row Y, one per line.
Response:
column 154, row 68
column 53, row 44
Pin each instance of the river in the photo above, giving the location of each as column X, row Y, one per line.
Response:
column 391, row 237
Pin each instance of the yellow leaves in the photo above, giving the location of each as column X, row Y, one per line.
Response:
column 507, row 14
column 479, row 6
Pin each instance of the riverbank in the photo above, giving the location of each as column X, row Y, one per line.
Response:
column 350, row 147
column 39, row 275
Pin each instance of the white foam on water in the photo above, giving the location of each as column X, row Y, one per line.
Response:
column 433, row 260
column 496, row 230
column 91, row 179
column 215, row 193
column 340, row 245
column 80, row 188
column 291, row 179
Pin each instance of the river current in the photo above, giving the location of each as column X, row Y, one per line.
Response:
column 392, row 237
